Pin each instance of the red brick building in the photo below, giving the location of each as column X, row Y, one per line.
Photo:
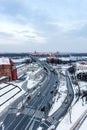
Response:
column 7, row 68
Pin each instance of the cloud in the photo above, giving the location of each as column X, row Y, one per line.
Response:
column 4, row 35
column 80, row 32
column 19, row 32
column 43, row 24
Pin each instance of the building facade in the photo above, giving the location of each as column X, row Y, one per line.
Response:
column 7, row 68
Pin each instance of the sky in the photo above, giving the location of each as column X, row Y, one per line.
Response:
column 43, row 25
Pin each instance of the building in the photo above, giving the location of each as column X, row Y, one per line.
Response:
column 81, row 70
column 81, row 65
column 21, row 70
column 7, row 68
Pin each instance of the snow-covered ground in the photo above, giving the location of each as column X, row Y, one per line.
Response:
column 76, row 111
column 10, row 94
column 59, row 98
column 31, row 84
column 83, row 85
column 84, row 125
column 40, row 128
column 32, row 79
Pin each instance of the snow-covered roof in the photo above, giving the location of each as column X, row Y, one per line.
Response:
column 81, row 66
column 4, row 61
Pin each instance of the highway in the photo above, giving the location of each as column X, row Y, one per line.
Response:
column 35, row 113
column 31, row 116
column 57, row 116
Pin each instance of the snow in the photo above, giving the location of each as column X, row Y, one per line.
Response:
column 2, row 85
column 81, row 71
column 81, row 67
column 38, row 70
column 64, row 67
column 65, row 58
column 31, row 84
column 3, row 89
column 83, row 85
column 40, row 128
column 76, row 111
column 33, row 77
column 42, row 59
column 4, row 61
column 8, row 95
column 3, row 77
column 19, row 60
column 59, row 98
column 52, row 127
column 84, row 125
column 21, row 65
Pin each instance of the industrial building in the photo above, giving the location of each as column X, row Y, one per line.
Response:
column 8, row 69
column 81, row 70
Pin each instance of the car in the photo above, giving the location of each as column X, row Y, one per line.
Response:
column 51, row 91
column 39, row 93
column 66, row 101
column 54, row 86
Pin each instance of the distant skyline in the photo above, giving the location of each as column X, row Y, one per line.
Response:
column 43, row 25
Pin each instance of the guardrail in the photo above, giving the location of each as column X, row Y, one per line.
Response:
column 56, row 117
column 79, row 121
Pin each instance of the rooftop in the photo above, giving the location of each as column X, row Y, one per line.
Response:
column 5, row 61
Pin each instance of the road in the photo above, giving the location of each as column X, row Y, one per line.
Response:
column 30, row 118
column 57, row 116
column 35, row 113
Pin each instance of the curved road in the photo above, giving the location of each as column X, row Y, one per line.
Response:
column 56, row 117
column 31, row 117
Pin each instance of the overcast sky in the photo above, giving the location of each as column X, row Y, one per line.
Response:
column 43, row 25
